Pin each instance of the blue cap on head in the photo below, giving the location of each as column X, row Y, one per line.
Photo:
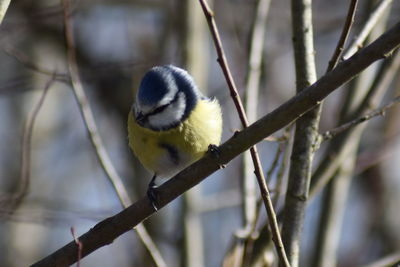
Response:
column 156, row 84
column 161, row 84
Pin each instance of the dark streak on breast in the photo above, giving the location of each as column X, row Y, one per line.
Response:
column 172, row 151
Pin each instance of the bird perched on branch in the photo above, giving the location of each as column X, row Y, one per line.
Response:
column 171, row 123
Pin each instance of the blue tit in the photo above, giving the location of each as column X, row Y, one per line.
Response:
column 171, row 123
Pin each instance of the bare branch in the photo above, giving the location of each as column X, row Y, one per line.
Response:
column 305, row 133
column 328, row 167
column 24, row 60
column 343, row 37
column 378, row 112
column 253, row 150
column 108, row 230
column 249, row 206
column 368, row 26
column 10, row 203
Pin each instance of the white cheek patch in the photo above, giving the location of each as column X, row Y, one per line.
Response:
column 170, row 115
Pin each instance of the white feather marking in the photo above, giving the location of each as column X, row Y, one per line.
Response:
column 170, row 115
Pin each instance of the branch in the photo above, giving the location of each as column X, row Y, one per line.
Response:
column 11, row 203
column 30, row 64
column 344, row 35
column 258, row 170
column 3, row 9
column 334, row 157
column 96, row 140
column 368, row 26
column 381, row 111
column 249, row 207
column 361, row 91
column 305, row 133
column 109, row 229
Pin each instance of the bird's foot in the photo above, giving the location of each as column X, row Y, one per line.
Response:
column 152, row 193
column 214, row 150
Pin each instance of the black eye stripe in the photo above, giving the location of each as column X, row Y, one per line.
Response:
column 159, row 109
column 163, row 107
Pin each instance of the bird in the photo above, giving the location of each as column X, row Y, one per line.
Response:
column 171, row 123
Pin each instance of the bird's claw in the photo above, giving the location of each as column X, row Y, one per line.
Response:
column 214, row 150
column 152, row 194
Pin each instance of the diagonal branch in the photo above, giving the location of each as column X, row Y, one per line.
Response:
column 372, row 20
column 343, row 36
column 344, row 127
column 329, row 165
column 109, row 229
column 253, row 150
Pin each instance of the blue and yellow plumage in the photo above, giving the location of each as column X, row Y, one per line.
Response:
column 171, row 123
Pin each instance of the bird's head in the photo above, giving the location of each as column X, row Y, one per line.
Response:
column 165, row 98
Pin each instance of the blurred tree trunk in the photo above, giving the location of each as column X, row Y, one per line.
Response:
column 196, row 60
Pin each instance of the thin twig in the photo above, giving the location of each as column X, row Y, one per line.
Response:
column 97, row 142
column 242, row 115
column 337, row 190
column 24, row 60
column 262, row 242
column 275, row 161
column 378, row 112
column 282, row 168
column 368, row 26
column 27, row 141
column 109, row 229
column 251, row 232
column 257, row 40
column 343, row 36
column 11, row 203
column 330, row 163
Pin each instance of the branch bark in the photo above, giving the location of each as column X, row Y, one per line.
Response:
column 258, row 170
column 305, row 134
column 3, row 8
column 109, row 229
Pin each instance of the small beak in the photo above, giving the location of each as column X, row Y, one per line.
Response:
column 140, row 118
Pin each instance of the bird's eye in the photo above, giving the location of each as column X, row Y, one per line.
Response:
column 159, row 109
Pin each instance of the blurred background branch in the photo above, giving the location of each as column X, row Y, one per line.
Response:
column 95, row 139
column 3, row 9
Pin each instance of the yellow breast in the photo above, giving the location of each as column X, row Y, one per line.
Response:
column 167, row 152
